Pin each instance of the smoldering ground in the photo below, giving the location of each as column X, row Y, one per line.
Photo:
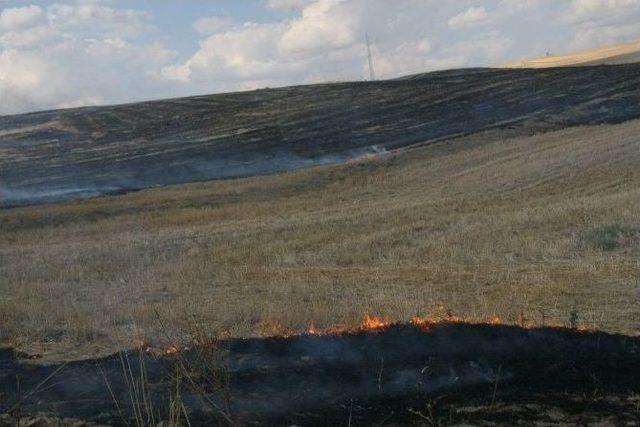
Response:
column 389, row 375
column 120, row 182
column 73, row 154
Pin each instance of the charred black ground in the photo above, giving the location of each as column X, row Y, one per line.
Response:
column 403, row 375
column 69, row 154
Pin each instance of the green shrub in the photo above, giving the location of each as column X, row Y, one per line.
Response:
column 610, row 237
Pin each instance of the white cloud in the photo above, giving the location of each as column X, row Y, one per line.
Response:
column 213, row 24
column 483, row 51
column 79, row 52
column 249, row 52
column 470, row 17
column 326, row 42
column 509, row 8
column 588, row 36
column 74, row 54
column 476, row 16
column 581, row 9
column 287, row 5
column 19, row 17
column 27, row 81
column 324, row 24
column 290, row 51
column 598, row 22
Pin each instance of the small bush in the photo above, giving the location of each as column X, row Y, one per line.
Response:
column 610, row 237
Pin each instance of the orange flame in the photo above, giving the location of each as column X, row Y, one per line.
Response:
column 441, row 316
column 375, row 323
column 495, row 320
column 369, row 324
column 171, row 350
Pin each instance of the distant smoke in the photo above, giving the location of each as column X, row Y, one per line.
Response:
column 10, row 197
column 280, row 162
column 122, row 181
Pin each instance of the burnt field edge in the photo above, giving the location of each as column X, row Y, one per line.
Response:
column 83, row 153
column 297, row 379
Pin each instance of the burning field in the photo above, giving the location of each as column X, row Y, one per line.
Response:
column 489, row 192
column 428, row 372
column 542, row 231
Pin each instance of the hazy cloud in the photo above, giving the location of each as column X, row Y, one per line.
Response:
column 470, row 17
column 213, row 24
column 599, row 9
column 603, row 21
column 287, row 5
column 19, row 17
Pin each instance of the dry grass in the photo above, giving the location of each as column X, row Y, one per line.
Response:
column 623, row 53
column 483, row 227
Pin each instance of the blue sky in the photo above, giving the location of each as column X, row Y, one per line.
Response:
column 67, row 53
column 175, row 19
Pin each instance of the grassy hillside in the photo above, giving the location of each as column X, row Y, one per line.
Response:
column 544, row 228
column 79, row 153
column 624, row 53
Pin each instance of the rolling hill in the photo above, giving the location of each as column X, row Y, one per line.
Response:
column 543, row 229
column 70, row 154
column 625, row 53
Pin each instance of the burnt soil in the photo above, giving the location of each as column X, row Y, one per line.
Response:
column 78, row 153
column 451, row 374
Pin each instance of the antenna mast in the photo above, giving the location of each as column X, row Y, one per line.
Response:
column 372, row 73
